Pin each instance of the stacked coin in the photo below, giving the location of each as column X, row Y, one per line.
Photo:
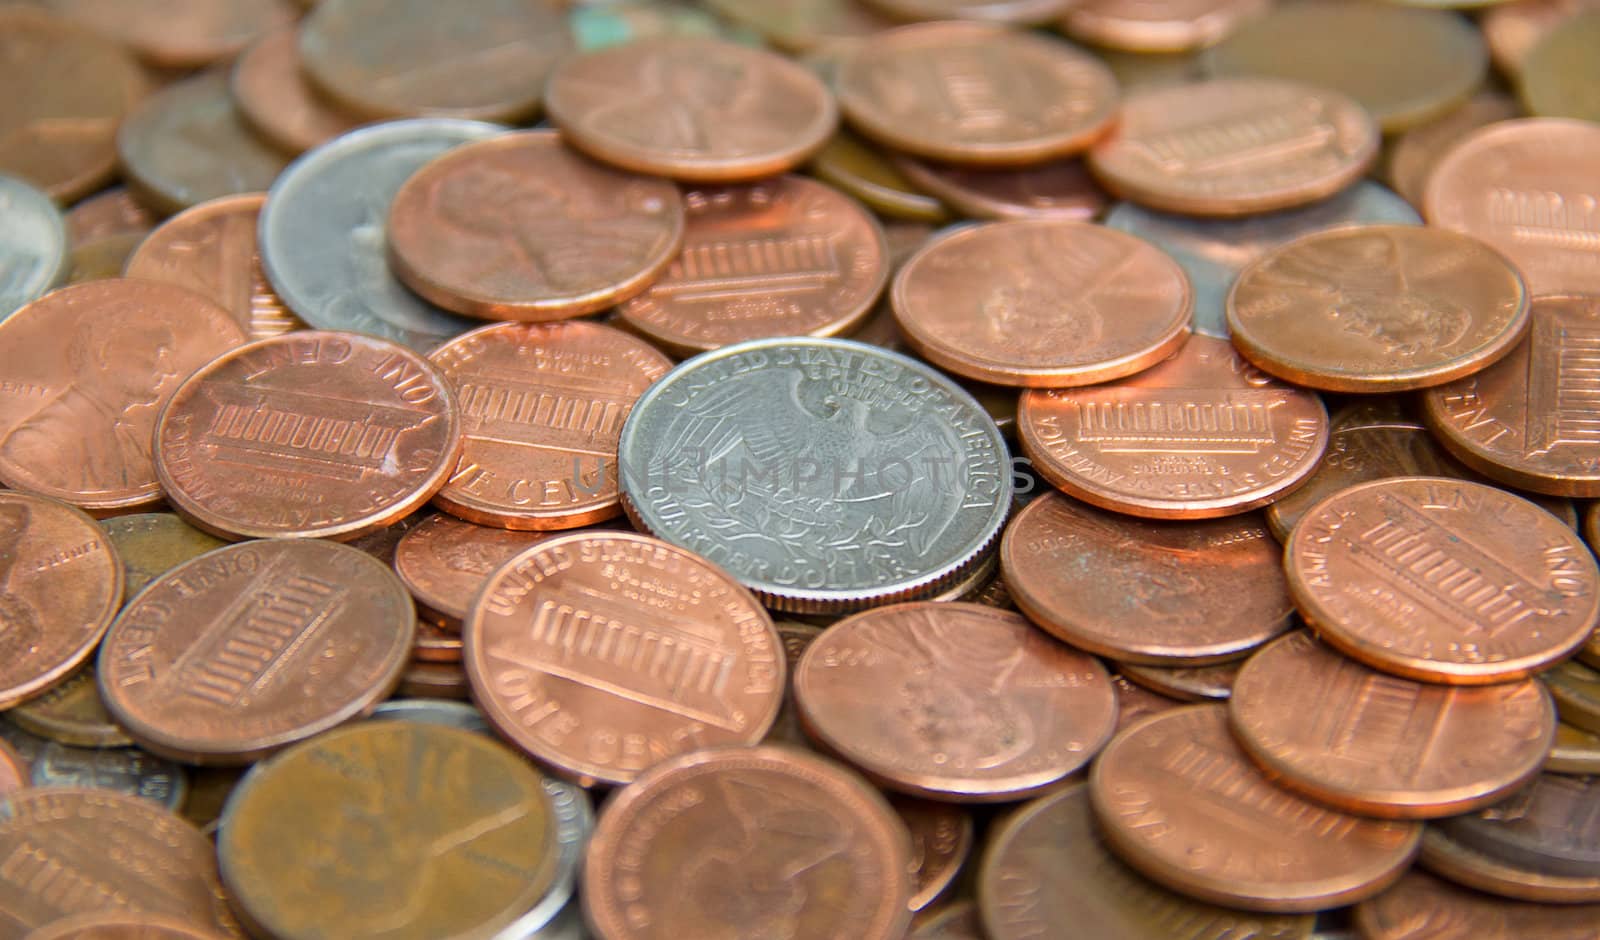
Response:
column 1180, row 544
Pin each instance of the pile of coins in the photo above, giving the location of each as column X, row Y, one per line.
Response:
column 799, row 469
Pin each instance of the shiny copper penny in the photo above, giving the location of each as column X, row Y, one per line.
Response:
column 1525, row 420
column 279, row 102
column 1160, row 593
column 179, row 33
column 691, row 108
column 122, row 926
column 60, row 585
column 108, row 214
column 76, row 851
column 211, row 249
column 1549, row 826
column 1378, row 308
column 1525, row 188
column 542, row 407
column 758, row 842
column 445, row 561
column 68, row 89
column 255, row 646
column 1185, row 683
column 1004, row 11
column 1203, row 434
column 1234, row 146
column 954, row 701
column 941, row 838
column 1352, row 737
column 86, row 368
column 1158, row 25
column 605, row 653
column 1048, row 873
column 974, row 93
column 71, row 713
column 1443, row 580
column 1179, row 801
column 308, row 434
column 783, row 257
column 1042, row 303
column 519, row 227
column 153, row 543
column 1449, row 858
column 14, row 773
column 1422, row 907
column 1057, row 189
column 1416, row 152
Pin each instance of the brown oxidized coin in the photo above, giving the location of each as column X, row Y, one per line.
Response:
column 974, row 93
column 954, row 701
column 1450, row 858
column 1203, row 434
column 542, row 407
column 1443, row 580
column 444, row 562
column 1528, row 420
column 518, row 227
column 1576, row 689
column 1422, row 907
column 74, row 851
column 748, row 842
column 60, row 584
column 122, row 926
column 14, row 774
column 1179, row 801
column 424, row 679
column 1057, row 189
column 1549, row 827
column 241, row 651
column 1234, row 146
column 179, row 33
column 691, row 108
column 279, row 102
column 783, row 257
column 71, row 713
column 1157, row 25
column 1378, row 308
column 604, row 653
column 152, row 543
column 211, row 249
column 1185, row 683
column 1155, row 592
column 85, row 370
column 1042, row 303
column 311, row 434
column 1352, row 737
column 941, row 838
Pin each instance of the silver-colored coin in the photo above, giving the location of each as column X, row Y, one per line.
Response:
column 825, row 474
column 432, row 711
column 322, row 231
column 34, row 253
column 1213, row 251
column 567, row 925
column 123, row 769
column 1550, row 826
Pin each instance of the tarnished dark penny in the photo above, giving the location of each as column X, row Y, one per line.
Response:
column 75, row 851
column 1443, row 580
column 309, row 434
column 278, row 101
column 67, row 91
column 783, row 257
column 1047, row 873
column 542, row 407
column 1352, row 737
column 1058, row 189
column 179, row 33
column 521, row 228
column 126, row 770
column 1004, row 11
column 72, row 713
column 1138, row 591
column 1158, row 25
column 803, row 25
column 14, row 773
column 1576, row 689
column 1550, row 826
column 1558, row 77
column 1185, row 683
column 122, row 926
column 1415, row 153
column 1450, row 858
column 862, row 170
column 691, row 108
column 1422, row 907
column 153, row 543
column 604, row 653
column 748, row 842
column 941, row 838
column 237, row 653
column 445, row 561
column 973, row 93
column 403, row 829
column 954, row 701
column 60, row 584
column 1179, row 801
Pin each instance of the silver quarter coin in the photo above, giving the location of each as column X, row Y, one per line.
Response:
column 34, row 254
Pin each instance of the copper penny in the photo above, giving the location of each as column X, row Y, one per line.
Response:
column 311, row 434
column 122, row 926
column 1161, row 593
column 1048, row 873
column 1449, row 858
column 1158, row 25
column 691, row 108
column 1057, row 189
column 1042, row 303
column 153, row 543
column 1003, row 11
column 604, row 653
column 1526, row 188
column 1378, row 745
column 1558, row 77
column 958, row 921
column 211, row 249
column 1443, row 580
column 1179, row 801
column 973, row 93
column 1234, row 146
column 71, row 713
column 1378, row 308
column 1513, row 29
column 1422, row 907
column 954, row 701
column 179, row 33
column 864, row 171
column 542, row 407
column 14, row 774
column 1549, row 826
column 76, row 851
column 1203, row 434
column 278, row 101
column 783, row 257
column 68, row 91
column 941, row 838
column 803, row 25
column 60, row 584
column 1135, row 702
column 748, row 842
column 436, row 643
column 108, row 214
column 796, row 638
column 1185, row 683
column 445, row 561
column 519, row 227
column 1415, row 153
